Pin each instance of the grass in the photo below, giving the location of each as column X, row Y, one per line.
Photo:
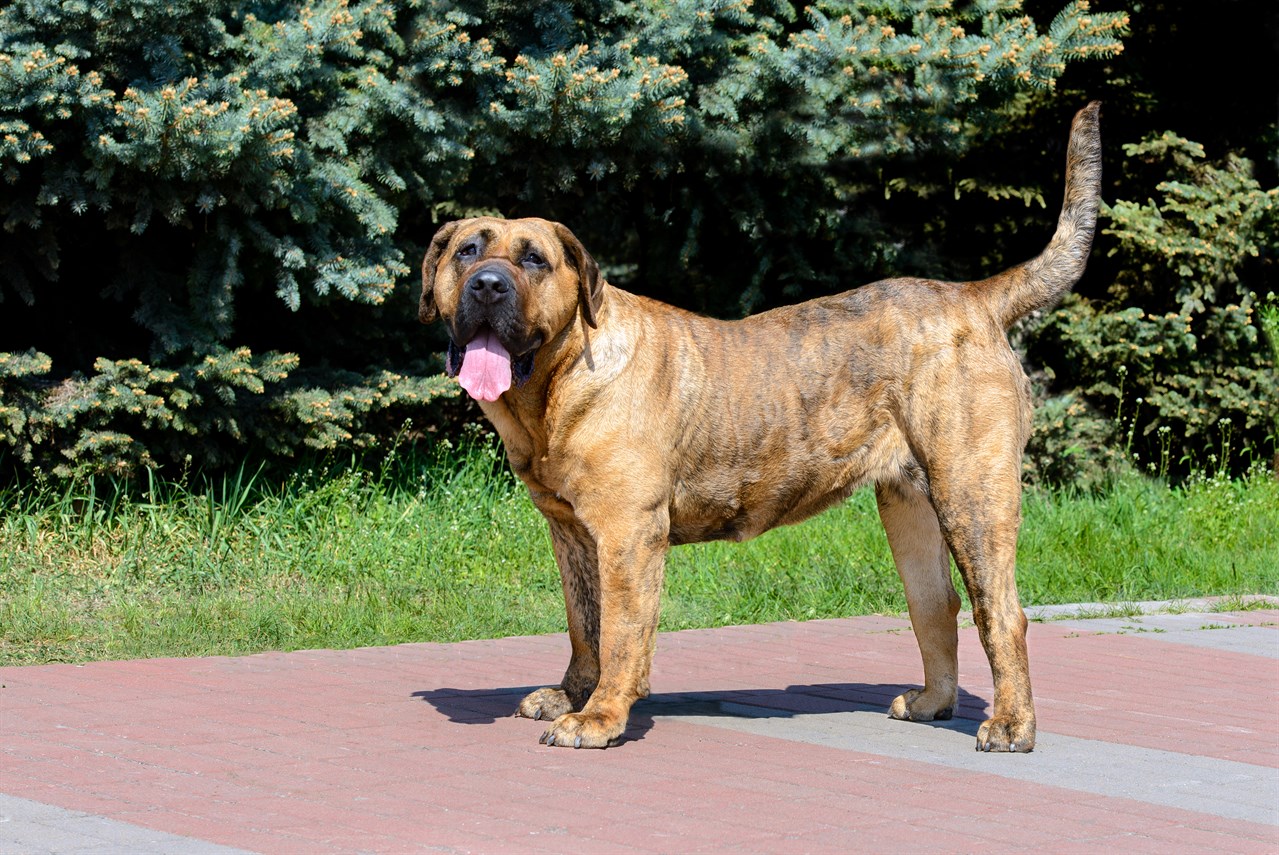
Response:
column 450, row 548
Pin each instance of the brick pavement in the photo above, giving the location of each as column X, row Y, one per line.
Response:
column 1157, row 733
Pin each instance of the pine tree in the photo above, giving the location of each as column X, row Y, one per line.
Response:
column 213, row 210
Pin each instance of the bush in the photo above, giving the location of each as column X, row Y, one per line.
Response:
column 1173, row 367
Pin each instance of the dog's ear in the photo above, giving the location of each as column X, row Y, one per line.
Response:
column 427, row 311
column 590, row 285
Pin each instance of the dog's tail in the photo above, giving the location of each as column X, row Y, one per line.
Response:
column 1043, row 280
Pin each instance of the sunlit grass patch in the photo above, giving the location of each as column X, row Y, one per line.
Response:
column 450, row 547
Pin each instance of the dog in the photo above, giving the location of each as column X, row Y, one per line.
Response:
column 637, row 426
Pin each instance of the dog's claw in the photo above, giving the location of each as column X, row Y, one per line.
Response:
column 537, row 716
column 577, row 743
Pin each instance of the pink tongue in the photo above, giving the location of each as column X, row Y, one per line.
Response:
column 486, row 368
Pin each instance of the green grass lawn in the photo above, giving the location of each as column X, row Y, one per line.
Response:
column 451, row 548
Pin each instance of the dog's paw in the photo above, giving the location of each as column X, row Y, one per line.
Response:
column 545, row 704
column 584, row 730
column 919, row 705
column 1006, row 733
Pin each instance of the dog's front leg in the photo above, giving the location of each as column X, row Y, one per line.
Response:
column 576, row 555
column 631, row 551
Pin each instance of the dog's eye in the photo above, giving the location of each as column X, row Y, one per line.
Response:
column 533, row 259
column 468, row 251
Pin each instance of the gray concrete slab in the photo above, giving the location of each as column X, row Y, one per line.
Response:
column 1224, row 788
column 33, row 828
column 1201, row 629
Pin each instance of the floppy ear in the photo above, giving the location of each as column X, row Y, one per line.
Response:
column 426, row 308
column 590, row 285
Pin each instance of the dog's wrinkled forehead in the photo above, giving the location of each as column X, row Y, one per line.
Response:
column 510, row 239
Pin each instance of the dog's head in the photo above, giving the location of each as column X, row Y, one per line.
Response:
column 504, row 288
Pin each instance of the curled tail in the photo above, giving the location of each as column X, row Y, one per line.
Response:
column 1043, row 280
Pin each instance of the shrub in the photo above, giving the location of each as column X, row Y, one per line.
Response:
column 1173, row 366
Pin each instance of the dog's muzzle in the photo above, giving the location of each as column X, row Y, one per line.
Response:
column 480, row 354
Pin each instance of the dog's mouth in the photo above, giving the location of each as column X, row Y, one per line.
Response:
column 485, row 367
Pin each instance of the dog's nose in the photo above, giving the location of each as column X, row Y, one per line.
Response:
column 489, row 286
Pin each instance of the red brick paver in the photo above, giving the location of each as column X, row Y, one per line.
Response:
column 412, row 748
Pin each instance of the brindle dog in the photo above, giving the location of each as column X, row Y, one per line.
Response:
column 637, row 426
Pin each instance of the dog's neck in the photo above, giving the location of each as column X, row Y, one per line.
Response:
column 530, row 416
column 520, row 415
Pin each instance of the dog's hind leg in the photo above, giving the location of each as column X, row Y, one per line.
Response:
column 979, row 506
column 923, row 562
